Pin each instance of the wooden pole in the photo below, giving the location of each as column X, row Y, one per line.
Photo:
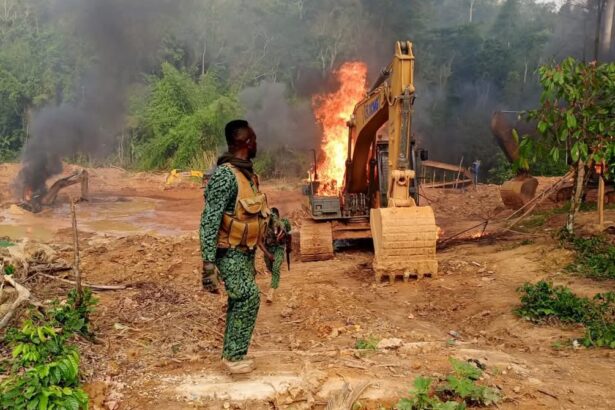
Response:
column 76, row 251
column 601, row 201
column 459, row 172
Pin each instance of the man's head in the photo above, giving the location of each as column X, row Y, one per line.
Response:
column 275, row 212
column 241, row 139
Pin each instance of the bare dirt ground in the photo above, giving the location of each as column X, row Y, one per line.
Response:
column 160, row 339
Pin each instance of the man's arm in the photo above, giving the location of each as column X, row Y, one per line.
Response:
column 220, row 195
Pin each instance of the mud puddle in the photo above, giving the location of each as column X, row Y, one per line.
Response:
column 102, row 215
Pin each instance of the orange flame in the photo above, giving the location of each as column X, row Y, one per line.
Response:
column 332, row 112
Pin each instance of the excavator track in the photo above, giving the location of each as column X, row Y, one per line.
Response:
column 404, row 242
column 316, row 241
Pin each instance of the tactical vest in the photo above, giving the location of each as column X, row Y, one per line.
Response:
column 245, row 227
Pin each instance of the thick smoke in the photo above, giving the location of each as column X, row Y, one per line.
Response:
column 124, row 35
column 277, row 121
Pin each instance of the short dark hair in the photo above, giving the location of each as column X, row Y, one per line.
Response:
column 232, row 129
column 275, row 211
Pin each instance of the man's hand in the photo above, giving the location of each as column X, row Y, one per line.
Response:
column 210, row 278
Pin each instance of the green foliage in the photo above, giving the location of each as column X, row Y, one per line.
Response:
column 576, row 112
column 182, row 119
column 539, row 218
column 459, row 390
column 9, row 269
column 422, row 398
column 501, row 172
column 462, row 383
column 44, row 369
column 281, row 162
column 542, row 302
column 575, row 116
column 6, row 243
column 595, row 257
column 74, row 315
column 371, row 343
column 39, row 64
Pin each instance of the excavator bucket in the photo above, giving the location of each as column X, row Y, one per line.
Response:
column 519, row 191
column 404, row 242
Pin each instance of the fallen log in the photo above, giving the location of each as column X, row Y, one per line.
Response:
column 49, row 268
column 87, row 285
column 23, row 296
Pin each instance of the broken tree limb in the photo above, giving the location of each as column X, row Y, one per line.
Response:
column 50, row 268
column 87, row 285
column 346, row 398
column 23, row 296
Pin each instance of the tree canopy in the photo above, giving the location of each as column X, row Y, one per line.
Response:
column 473, row 56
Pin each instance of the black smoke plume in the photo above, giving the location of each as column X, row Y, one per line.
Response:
column 277, row 121
column 124, row 36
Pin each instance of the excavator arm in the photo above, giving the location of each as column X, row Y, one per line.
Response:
column 389, row 101
column 404, row 234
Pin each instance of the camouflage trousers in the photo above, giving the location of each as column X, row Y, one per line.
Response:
column 275, row 266
column 237, row 272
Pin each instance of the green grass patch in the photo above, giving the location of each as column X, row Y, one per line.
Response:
column 539, row 218
column 9, row 270
column 6, row 244
column 458, row 390
column 593, row 206
column 595, row 257
column 544, row 303
column 370, row 343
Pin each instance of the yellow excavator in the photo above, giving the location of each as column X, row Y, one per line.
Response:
column 380, row 195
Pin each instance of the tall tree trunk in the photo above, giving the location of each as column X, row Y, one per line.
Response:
column 577, row 195
column 203, row 58
column 471, row 11
column 599, row 12
column 606, row 36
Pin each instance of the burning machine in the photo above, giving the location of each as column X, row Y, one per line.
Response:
column 379, row 197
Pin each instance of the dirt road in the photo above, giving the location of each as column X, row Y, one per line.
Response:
column 160, row 339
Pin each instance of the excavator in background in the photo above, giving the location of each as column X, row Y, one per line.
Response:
column 380, row 195
column 35, row 201
column 521, row 189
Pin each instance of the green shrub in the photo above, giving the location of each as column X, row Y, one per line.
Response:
column 182, row 118
column 542, row 301
column 371, row 343
column 459, row 390
column 43, row 372
column 595, row 257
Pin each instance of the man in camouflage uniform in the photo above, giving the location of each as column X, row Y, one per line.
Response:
column 278, row 231
column 232, row 226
